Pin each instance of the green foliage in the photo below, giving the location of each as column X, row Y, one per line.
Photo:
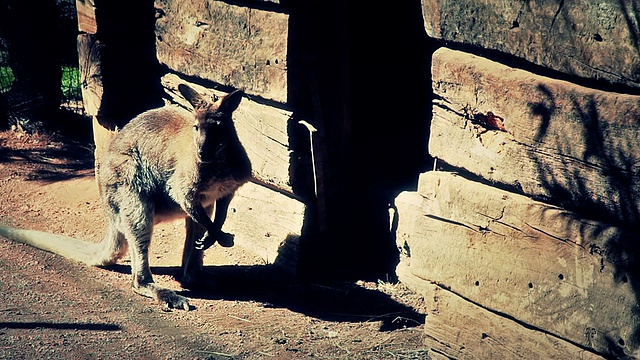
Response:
column 6, row 78
column 70, row 83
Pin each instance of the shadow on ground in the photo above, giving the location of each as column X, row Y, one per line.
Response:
column 269, row 285
column 56, row 164
column 63, row 151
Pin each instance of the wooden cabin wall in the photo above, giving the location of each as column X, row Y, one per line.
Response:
column 522, row 237
column 526, row 232
column 310, row 62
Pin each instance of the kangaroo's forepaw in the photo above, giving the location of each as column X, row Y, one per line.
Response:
column 225, row 239
column 168, row 299
column 207, row 240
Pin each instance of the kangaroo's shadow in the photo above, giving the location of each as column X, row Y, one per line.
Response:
column 268, row 284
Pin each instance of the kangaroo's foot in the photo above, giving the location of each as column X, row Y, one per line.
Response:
column 197, row 279
column 167, row 299
column 192, row 279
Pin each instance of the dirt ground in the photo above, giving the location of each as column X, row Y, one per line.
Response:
column 55, row 308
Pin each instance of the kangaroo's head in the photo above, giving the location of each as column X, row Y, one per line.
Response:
column 213, row 127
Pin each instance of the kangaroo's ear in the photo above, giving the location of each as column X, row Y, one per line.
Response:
column 230, row 102
column 192, row 96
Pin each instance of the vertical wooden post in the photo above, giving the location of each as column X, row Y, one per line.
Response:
column 90, row 61
column 118, row 66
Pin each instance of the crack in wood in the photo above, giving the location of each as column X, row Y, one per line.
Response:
column 558, row 156
column 440, row 352
column 555, row 16
column 551, row 235
column 453, row 222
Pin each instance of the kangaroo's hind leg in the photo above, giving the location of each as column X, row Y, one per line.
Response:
column 135, row 221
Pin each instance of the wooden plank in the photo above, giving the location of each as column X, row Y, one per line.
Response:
column 591, row 39
column 86, row 10
column 540, row 264
column 262, row 131
column 232, row 45
column 460, row 329
column 267, row 223
column 564, row 143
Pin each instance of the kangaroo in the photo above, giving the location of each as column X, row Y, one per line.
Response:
column 166, row 163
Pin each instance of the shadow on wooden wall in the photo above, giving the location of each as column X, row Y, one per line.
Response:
column 600, row 183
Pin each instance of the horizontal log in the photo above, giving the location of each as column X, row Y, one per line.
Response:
column 539, row 264
column 262, row 131
column 267, row 223
column 566, row 144
column 232, row 45
column 591, row 39
column 460, row 329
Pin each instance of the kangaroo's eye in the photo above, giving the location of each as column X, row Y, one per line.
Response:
column 196, row 127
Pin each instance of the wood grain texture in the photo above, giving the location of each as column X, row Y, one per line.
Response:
column 569, row 145
column 86, row 11
column 540, row 264
column 232, row 45
column 90, row 66
column 268, row 223
column 591, row 39
column 459, row 329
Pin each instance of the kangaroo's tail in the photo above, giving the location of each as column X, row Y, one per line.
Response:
column 95, row 254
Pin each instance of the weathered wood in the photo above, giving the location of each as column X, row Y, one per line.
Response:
column 86, row 10
column 90, row 66
column 593, row 39
column 267, row 223
column 232, row 45
column 540, row 264
column 568, row 144
column 262, row 130
column 460, row 329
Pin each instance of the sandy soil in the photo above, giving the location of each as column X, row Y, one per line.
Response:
column 55, row 308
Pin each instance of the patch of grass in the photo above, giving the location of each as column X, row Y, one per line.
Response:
column 70, row 83
column 6, row 78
